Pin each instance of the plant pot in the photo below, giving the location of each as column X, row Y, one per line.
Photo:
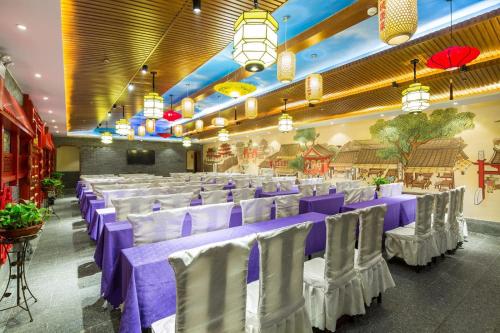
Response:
column 21, row 232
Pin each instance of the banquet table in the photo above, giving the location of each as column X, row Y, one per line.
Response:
column 400, row 209
column 147, row 281
column 329, row 204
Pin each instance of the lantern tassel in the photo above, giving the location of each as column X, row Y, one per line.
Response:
column 451, row 89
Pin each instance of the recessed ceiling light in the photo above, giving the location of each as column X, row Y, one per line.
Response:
column 22, row 27
column 55, row 126
column 53, row 120
column 50, row 111
column 382, row 115
column 45, row 98
column 38, row 75
column 372, row 11
column 131, row 87
column 455, row 103
column 57, row 131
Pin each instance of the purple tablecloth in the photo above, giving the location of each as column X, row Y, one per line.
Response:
column 147, row 281
column 393, row 218
column 326, row 204
column 79, row 188
column 85, row 205
column 273, row 194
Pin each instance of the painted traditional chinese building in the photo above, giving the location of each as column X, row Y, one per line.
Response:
column 279, row 161
column 317, row 160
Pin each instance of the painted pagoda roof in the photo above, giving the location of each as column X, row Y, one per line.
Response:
column 318, row 150
column 495, row 159
column 361, row 152
column 439, row 153
column 290, row 150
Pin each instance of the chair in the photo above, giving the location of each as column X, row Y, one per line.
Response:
column 369, row 263
column 214, row 197
column 397, row 189
column 207, row 218
column 132, row 205
column 331, row 286
column 241, row 183
column 287, row 205
column 352, row 195
column 386, row 190
column 452, row 225
column 269, row 186
column 256, row 182
column 275, row 303
column 223, row 290
column 416, row 246
column 242, row 194
column 171, row 201
column 462, row 223
column 157, row 191
column 285, row 185
column 194, row 189
column 307, row 190
column 256, row 210
column 157, row 226
column 367, row 193
column 438, row 226
column 109, row 195
column 322, row 189
column 213, row 187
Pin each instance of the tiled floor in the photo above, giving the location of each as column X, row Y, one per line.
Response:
column 461, row 293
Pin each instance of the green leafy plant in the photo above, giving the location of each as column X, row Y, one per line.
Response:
column 22, row 215
column 57, row 175
column 54, row 184
column 380, row 181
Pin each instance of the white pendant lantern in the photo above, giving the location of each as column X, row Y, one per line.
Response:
column 314, row 88
column 397, row 20
column 186, row 141
column 141, row 130
column 219, row 122
column 251, row 108
column 285, row 123
column 187, row 107
column 106, row 138
column 153, row 103
column 131, row 134
column 416, row 98
column 150, row 126
column 223, row 135
column 121, row 127
column 198, row 125
column 178, row 130
column 286, row 66
column 255, row 39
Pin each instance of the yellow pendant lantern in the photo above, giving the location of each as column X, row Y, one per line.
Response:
column 177, row 130
column 198, row 125
column 219, row 122
column 106, row 138
column 187, row 106
column 235, row 89
column 223, row 135
column 416, row 98
column 285, row 122
column 150, row 125
column 314, row 88
column 153, row 103
column 286, row 61
column 186, row 141
column 255, row 39
column 397, row 20
column 141, row 130
column 122, row 126
column 251, row 108
column 131, row 134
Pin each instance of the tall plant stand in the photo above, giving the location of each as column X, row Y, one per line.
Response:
column 17, row 271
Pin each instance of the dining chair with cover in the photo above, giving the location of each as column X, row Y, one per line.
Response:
column 214, row 197
column 438, row 226
column 386, row 190
column 171, row 201
column 322, row 189
column 287, row 205
column 352, row 195
column 207, row 218
column 369, row 263
column 275, row 302
column 307, row 190
column 286, row 185
column 462, row 222
column 132, row 205
column 157, row 226
column 109, row 195
column 241, row 182
column 194, row 189
column 269, row 186
column 452, row 224
column 367, row 193
column 397, row 189
column 331, row 286
column 242, row 194
column 256, row 210
column 209, row 300
column 212, row 187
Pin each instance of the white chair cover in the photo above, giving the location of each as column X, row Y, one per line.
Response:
column 109, row 195
column 209, row 300
column 214, row 197
column 171, row 201
column 269, row 186
column 397, row 189
column 242, row 194
column 132, row 205
column 369, row 263
column 213, row 187
column 452, row 226
column 416, row 246
column 157, row 226
column 462, row 223
column 285, row 185
column 157, row 190
column 256, row 210
column 194, row 189
column 352, row 195
column 323, row 189
column 256, row 182
column 367, row 193
column 207, row 218
column 386, row 190
column 275, row 303
column 241, row 183
column 287, row 205
column 438, row 226
column 307, row 190
column 343, row 185
column 331, row 286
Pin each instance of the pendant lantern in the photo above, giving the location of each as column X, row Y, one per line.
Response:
column 255, row 39
column 187, row 106
column 131, row 134
column 198, row 125
column 223, row 135
column 153, row 103
column 397, row 20
column 286, row 61
column 416, row 98
column 106, row 138
column 186, row 141
column 285, row 122
column 150, row 126
column 314, row 88
column 122, row 126
column 251, row 108
column 141, row 130
column 178, row 130
column 170, row 114
column 219, row 121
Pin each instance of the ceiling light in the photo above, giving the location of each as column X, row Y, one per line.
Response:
column 106, row 138
column 314, row 88
column 153, row 103
column 286, row 60
column 416, row 97
column 187, row 105
column 53, row 121
column 397, row 20
column 455, row 103
column 150, row 126
column 197, row 6
column 131, row 134
column 130, row 87
column 223, row 135
column 255, row 39
column 177, row 130
column 38, row 75
column 144, row 69
column 234, row 89
column 170, row 114
column 45, row 98
column 122, row 126
column 219, row 121
column 285, row 122
column 55, row 126
column 141, row 130
column 382, row 115
column 372, row 11
column 50, row 111
column 251, row 108
column 21, row 27
column 186, row 141
column 198, row 125
column 57, row 131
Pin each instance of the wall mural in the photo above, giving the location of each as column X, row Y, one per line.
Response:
column 426, row 151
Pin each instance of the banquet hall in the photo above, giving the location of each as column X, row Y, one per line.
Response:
column 250, row 166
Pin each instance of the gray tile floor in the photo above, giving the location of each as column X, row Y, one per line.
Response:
column 460, row 293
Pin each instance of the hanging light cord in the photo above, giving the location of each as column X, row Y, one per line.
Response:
column 414, row 62
column 451, row 21
column 255, row 4
column 154, row 74
column 284, row 110
column 123, row 111
column 286, row 31
column 171, row 97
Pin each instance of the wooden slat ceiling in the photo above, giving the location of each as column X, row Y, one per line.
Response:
column 366, row 84
column 106, row 42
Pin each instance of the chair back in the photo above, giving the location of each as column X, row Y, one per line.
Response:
column 207, row 218
column 132, row 205
column 242, row 194
column 307, row 190
column 171, row 201
column 352, row 195
column 371, row 228
column 386, row 190
column 157, row 190
column 397, row 189
column 452, row 209
column 323, row 189
column 214, row 197
column 213, row 187
column 269, row 186
column 211, row 285
column 440, row 204
column 241, row 182
column 286, row 185
column 256, row 182
column 425, row 206
column 109, row 195
column 194, row 189
column 256, row 210
column 340, row 244
column 367, row 193
column 281, row 272
column 157, row 226
column 460, row 199
column 287, row 205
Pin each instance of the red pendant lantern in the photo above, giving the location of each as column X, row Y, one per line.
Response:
column 164, row 135
column 453, row 57
column 170, row 114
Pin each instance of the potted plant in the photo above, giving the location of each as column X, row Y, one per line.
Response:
column 52, row 184
column 21, row 219
column 377, row 181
